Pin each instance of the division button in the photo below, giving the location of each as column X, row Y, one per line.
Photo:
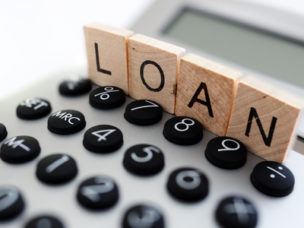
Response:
column 66, row 122
column 75, row 87
column 33, row 108
column 56, row 169
column 98, row 193
column 103, row 139
column 143, row 112
column 144, row 159
column 183, row 130
column 107, row 97
column 226, row 153
column 3, row 132
column 236, row 212
column 143, row 216
column 188, row 185
column 11, row 203
column 19, row 149
column 272, row 178
column 44, row 221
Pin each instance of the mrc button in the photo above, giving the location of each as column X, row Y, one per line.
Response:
column 66, row 122
column 33, row 108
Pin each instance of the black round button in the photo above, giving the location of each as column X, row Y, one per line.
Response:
column 98, row 193
column 143, row 112
column 236, row 212
column 103, row 139
column 144, row 159
column 188, row 184
column 226, row 153
column 11, row 203
column 3, row 132
column 66, row 122
column 19, row 149
column 44, row 221
column 33, row 108
column 143, row 216
column 107, row 97
column 56, row 169
column 75, row 87
column 272, row 178
column 183, row 130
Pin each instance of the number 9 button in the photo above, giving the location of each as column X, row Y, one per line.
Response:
column 143, row 159
column 183, row 130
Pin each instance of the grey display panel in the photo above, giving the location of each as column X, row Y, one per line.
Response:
column 251, row 47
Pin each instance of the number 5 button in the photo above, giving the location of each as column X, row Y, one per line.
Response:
column 103, row 139
column 183, row 130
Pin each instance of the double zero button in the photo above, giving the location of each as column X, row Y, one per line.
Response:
column 144, row 159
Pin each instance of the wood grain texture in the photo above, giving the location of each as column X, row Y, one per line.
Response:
column 257, row 102
column 153, row 56
column 219, row 82
column 112, row 55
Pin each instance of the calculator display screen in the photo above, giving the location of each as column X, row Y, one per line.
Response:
column 251, row 47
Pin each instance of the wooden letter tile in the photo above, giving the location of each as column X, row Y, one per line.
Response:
column 153, row 68
column 264, row 119
column 107, row 55
column 205, row 91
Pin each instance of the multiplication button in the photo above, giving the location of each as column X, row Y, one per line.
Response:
column 11, row 203
column 19, row 149
column 143, row 112
column 143, row 216
column 188, row 184
column 75, row 87
column 183, row 130
column 236, row 212
column 226, row 153
column 103, row 139
column 66, row 122
column 272, row 178
column 44, row 221
column 144, row 159
column 33, row 108
column 107, row 97
column 98, row 193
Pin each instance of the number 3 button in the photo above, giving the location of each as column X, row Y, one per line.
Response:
column 183, row 130
column 144, row 159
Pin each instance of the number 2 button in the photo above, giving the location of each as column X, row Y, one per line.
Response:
column 183, row 130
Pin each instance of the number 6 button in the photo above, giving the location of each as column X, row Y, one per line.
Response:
column 103, row 139
column 144, row 159
column 183, row 130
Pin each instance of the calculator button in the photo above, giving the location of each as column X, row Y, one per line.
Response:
column 56, row 169
column 33, row 108
column 66, row 122
column 75, row 87
column 98, row 193
column 143, row 216
column 11, row 203
column 103, row 139
column 272, row 178
column 107, row 97
column 143, row 112
column 183, row 130
column 3, row 132
column 19, row 149
column 236, row 212
column 144, row 159
column 188, row 184
column 226, row 153
column 44, row 221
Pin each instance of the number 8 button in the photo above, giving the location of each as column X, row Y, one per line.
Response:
column 183, row 130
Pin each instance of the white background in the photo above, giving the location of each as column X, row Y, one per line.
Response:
column 40, row 37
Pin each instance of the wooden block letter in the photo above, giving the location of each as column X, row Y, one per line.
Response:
column 107, row 55
column 263, row 119
column 205, row 91
column 153, row 68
